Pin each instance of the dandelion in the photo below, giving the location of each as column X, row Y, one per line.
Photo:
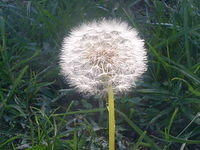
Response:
column 102, row 53
column 101, row 57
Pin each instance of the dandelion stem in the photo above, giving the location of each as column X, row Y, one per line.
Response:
column 111, row 116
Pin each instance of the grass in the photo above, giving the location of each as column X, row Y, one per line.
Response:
column 38, row 111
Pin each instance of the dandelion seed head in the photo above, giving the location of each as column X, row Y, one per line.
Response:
column 103, row 53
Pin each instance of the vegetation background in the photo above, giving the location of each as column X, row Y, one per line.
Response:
column 39, row 111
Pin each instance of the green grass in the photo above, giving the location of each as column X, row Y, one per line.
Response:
column 38, row 110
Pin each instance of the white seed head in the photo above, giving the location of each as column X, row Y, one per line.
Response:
column 103, row 53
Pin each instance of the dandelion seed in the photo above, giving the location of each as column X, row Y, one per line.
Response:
column 102, row 53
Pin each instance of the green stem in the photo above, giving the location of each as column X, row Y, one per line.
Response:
column 111, row 116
